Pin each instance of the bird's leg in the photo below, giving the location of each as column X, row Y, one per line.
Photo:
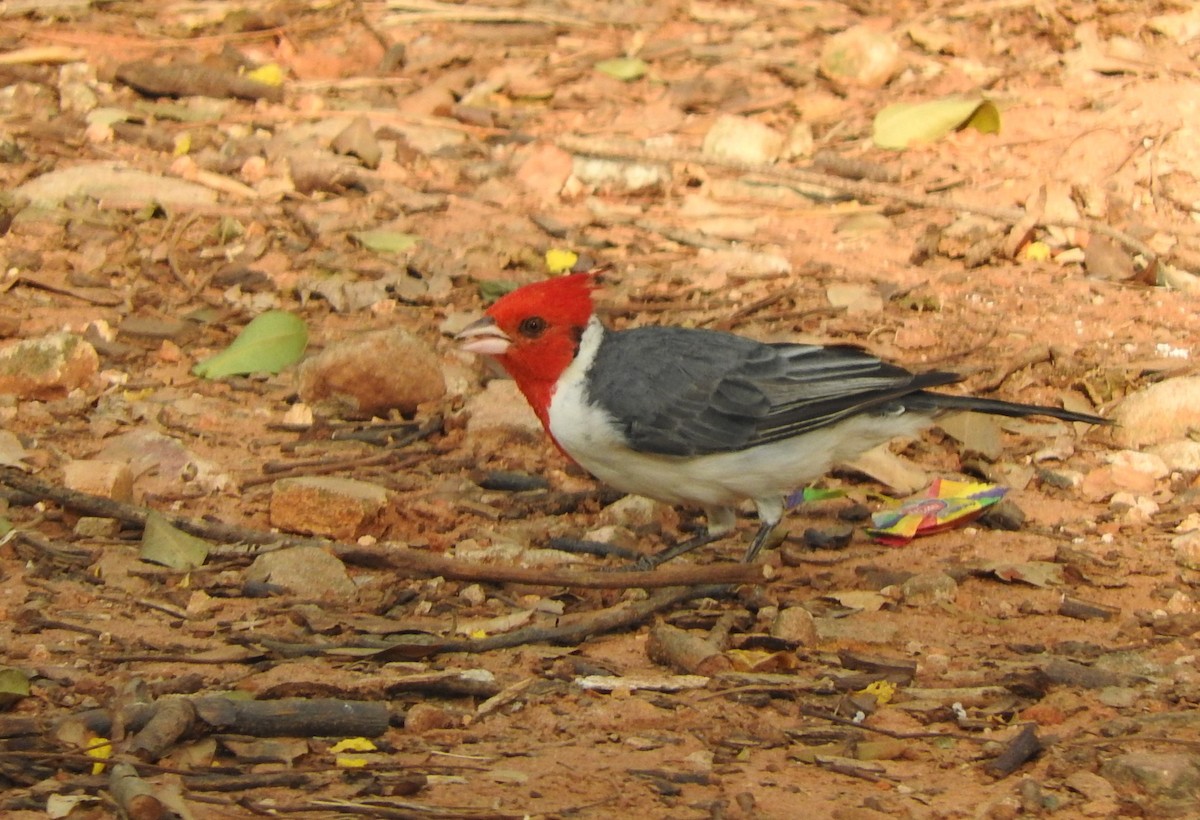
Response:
column 770, row 513
column 760, row 538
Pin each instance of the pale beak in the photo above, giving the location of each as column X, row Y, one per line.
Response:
column 484, row 337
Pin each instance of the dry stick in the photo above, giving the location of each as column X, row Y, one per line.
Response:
column 577, row 628
column 415, row 562
column 856, row 188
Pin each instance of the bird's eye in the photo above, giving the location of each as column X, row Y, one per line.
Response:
column 532, row 327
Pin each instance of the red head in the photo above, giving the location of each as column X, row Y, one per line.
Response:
column 534, row 333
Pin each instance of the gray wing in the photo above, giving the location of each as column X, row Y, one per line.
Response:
column 678, row 391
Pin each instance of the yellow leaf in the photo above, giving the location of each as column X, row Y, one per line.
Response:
column 353, row 744
column 99, row 748
column 883, row 691
column 1037, row 251
column 183, row 144
column 269, row 74
column 349, row 762
column 559, row 260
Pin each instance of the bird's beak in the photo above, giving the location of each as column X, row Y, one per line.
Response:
column 484, row 337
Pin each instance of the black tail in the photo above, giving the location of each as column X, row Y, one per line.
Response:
column 925, row 400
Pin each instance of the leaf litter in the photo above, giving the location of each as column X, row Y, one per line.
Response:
column 1045, row 668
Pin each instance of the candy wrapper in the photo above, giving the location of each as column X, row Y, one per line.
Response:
column 944, row 505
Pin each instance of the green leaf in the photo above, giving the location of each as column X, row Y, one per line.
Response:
column 625, row 69
column 171, row 547
column 493, row 289
column 14, row 685
column 900, row 125
column 382, row 241
column 268, row 344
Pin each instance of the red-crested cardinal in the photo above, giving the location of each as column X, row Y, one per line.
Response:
column 690, row 416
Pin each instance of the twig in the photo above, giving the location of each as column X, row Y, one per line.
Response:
column 857, row 188
column 415, row 562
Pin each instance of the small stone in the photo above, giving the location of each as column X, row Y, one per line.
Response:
column 90, row 526
column 473, row 594
column 501, row 407
column 829, row 538
column 611, row 175
column 423, row 717
column 48, row 367
column 108, row 479
column 373, row 373
column 308, row 571
column 795, row 624
column 1062, row 479
column 1187, row 550
column 1162, row 412
column 358, row 140
column 1163, row 776
column 341, row 508
column 1003, row 515
column 743, row 139
column 631, row 511
column 929, row 588
column 1182, row 455
column 860, row 56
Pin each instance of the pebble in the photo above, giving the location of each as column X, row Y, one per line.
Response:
column 1162, row 412
column 48, row 367
column 795, row 624
column 308, row 571
column 501, row 407
column 743, row 139
column 1163, row 776
column 108, row 479
column 928, row 588
column 347, row 376
column 860, row 56
column 1187, row 549
column 341, row 508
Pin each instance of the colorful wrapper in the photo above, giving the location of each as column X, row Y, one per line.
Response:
column 943, row 505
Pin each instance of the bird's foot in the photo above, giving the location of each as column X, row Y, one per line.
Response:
column 760, row 539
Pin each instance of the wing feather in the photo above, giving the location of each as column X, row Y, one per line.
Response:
column 679, row 391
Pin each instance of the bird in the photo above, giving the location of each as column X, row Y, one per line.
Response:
column 700, row 417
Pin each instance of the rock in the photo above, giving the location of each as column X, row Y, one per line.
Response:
column 502, row 407
column 164, row 464
column 612, row 175
column 1182, row 455
column 1127, row 470
column 860, row 56
column 89, row 526
column 1162, row 412
column 1187, row 550
column 633, row 511
column 424, row 717
column 341, row 508
column 369, row 375
column 48, row 367
column 109, row 479
column 308, row 571
column 928, row 588
column 743, row 140
column 1165, row 777
column 795, row 624
column 358, row 140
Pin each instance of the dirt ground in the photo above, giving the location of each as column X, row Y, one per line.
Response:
column 985, row 253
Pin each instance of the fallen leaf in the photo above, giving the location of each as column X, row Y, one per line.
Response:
column 625, row 69
column 171, row 547
column 271, row 342
column 902, row 124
